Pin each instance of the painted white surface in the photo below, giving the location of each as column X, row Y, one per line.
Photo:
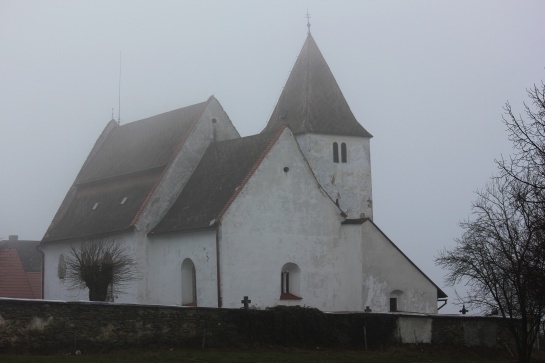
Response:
column 278, row 218
column 281, row 217
column 185, row 162
column 348, row 182
column 386, row 270
column 167, row 252
column 56, row 288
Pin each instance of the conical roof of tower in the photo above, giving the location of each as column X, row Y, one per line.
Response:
column 311, row 101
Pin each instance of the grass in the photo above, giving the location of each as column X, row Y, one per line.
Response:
column 395, row 354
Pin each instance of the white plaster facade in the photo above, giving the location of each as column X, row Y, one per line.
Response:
column 348, row 182
column 296, row 230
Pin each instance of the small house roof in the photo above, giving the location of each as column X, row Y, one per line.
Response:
column 311, row 101
column 27, row 252
column 14, row 281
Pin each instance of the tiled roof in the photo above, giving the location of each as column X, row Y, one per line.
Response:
column 223, row 171
column 126, row 162
column 14, row 281
column 28, row 253
column 311, row 101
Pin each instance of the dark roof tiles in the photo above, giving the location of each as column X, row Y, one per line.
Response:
column 127, row 161
column 141, row 145
column 221, row 174
column 311, row 101
column 83, row 219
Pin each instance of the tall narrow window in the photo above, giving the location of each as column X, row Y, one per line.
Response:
column 61, row 267
column 335, row 152
column 285, row 282
column 189, row 283
column 343, row 152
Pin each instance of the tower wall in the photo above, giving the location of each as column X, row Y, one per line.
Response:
column 349, row 180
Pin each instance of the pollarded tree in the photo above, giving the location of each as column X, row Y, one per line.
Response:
column 99, row 266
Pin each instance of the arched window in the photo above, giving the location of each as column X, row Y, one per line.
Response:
column 61, row 267
column 289, row 282
column 395, row 300
column 335, row 152
column 343, row 152
column 189, row 283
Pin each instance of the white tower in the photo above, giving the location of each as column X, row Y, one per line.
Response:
column 336, row 146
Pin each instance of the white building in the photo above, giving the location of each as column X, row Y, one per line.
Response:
column 283, row 217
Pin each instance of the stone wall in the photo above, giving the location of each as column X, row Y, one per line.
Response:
column 35, row 326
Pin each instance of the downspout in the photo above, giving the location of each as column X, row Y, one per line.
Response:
column 218, row 275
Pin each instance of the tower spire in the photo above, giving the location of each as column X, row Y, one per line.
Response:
column 308, row 22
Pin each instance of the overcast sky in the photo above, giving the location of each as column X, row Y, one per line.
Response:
column 427, row 78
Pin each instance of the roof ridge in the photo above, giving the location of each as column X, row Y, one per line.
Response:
column 250, row 173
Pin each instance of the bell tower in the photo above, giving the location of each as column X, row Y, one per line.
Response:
column 335, row 144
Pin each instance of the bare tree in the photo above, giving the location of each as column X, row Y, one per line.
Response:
column 527, row 134
column 99, row 266
column 498, row 257
column 501, row 254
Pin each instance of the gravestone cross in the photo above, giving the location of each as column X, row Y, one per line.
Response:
column 245, row 301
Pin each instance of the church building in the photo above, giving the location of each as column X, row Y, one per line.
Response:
column 284, row 217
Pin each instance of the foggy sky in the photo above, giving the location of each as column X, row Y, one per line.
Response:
column 427, row 78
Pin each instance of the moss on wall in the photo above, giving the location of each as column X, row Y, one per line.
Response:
column 36, row 326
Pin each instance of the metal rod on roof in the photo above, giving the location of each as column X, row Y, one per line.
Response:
column 119, row 92
column 308, row 22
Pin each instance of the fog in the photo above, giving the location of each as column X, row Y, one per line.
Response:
column 427, row 78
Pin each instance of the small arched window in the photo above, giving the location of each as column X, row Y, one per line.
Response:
column 189, row 283
column 61, row 267
column 289, row 282
column 335, row 152
column 343, row 152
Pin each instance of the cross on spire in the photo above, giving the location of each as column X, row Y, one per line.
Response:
column 308, row 22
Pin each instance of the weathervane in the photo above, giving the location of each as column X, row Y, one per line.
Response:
column 308, row 22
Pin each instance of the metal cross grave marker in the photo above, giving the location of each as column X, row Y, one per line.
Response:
column 245, row 301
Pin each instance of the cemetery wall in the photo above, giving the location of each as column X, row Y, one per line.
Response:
column 37, row 326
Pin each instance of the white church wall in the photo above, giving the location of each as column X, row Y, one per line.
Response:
column 284, row 217
column 57, row 288
column 388, row 273
column 214, row 124
column 166, row 255
column 350, row 181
